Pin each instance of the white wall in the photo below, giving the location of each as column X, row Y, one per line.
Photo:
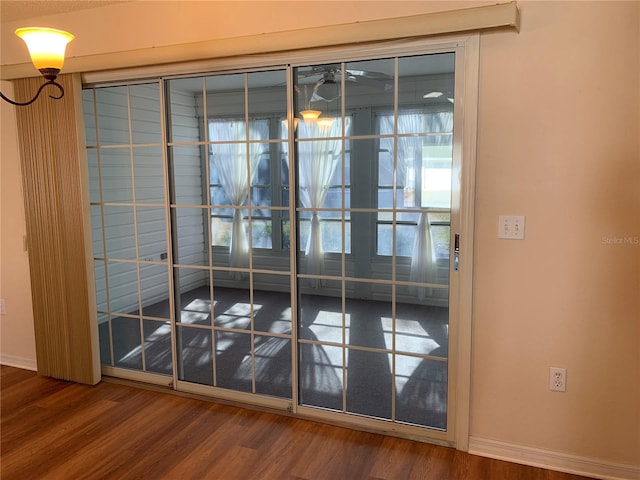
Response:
column 188, row 181
column 558, row 142
column 108, row 107
column 17, row 337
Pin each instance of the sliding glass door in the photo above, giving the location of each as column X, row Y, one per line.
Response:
column 373, row 214
column 230, row 217
column 282, row 236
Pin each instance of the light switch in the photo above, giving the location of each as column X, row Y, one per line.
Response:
column 511, row 227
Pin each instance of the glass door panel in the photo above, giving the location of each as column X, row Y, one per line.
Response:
column 232, row 262
column 373, row 255
column 129, row 224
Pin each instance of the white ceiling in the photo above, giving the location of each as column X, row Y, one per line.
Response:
column 16, row 10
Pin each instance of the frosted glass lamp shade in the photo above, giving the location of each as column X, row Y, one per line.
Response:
column 46, row 46
column 325, row 122
column 310, row 115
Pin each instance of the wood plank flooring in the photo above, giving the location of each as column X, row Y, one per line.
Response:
column 52, row 429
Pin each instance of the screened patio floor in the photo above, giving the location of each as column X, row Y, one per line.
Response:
column 420, row 384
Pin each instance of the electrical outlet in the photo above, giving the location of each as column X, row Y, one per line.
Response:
column 558, row 379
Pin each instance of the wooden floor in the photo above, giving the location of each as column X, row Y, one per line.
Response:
column 59, row 430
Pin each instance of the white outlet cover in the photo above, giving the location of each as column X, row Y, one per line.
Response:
column 558, row 379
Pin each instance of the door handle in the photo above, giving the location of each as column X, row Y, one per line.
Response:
column 456, row 252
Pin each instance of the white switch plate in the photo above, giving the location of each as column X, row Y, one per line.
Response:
column 511, row 226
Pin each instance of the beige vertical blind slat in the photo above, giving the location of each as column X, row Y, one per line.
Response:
column 52, row 175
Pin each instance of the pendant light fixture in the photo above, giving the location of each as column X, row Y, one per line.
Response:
column 310, row 115
column 46, row 47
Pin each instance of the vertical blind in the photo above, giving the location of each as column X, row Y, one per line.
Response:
column 52, row 171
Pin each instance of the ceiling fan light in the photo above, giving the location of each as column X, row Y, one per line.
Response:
column 310, row 115
column 285, row 123
column 46, row 46
column 325, row 122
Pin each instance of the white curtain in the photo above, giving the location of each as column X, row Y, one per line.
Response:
column 236, row 172
column 423, row 264
column 317, row 163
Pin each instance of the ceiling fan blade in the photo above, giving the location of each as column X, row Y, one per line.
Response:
column 369, row 74
column 436, row 96
column 377, row 80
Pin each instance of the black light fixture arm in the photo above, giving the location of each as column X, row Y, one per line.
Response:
column 50, row 74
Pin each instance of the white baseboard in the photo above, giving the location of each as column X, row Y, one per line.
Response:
column 561, row 462
column 18, row 362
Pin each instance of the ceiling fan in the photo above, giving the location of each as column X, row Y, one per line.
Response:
column 327, row 87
